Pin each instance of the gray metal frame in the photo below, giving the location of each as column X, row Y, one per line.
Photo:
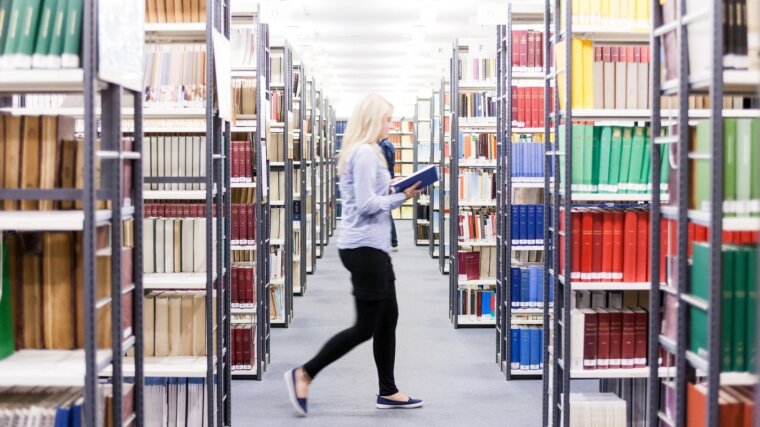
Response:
column 263, row 214
column 443, row 189
column 454, row 188
column 416, row 165
column 433, row 241
column 551, row 260
column 313, row 172
column 302, row 168
column 503, row 191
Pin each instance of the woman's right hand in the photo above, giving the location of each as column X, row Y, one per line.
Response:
column 412, row 191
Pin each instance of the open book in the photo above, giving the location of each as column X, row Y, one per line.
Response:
column 425, row 176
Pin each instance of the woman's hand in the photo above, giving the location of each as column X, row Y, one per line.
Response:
column 413, row 190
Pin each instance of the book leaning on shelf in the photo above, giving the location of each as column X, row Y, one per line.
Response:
column 40, row 34
column 174, row 11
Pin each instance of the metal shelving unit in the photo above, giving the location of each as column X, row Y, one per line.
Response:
column 435, row 190
column 333, row 176
column 321, row 198
column 340, row 126
column 312, row 216
column 445, row 186
column 422, row 115
column 301, row 167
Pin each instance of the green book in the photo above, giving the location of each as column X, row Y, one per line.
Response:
column 578, row 139
column 29, row 20
column 645, row 179
column 7, row 346
column 729, row 166
column 616, row 152
column 741, row 258
column 5, row 17
column 13, row 35
column 56, row 38
column 636, row 160
column 44, row 34
column 605, row 152
column 72, row 34
column 625, row 160
column 562, row 149
column 588, row 158
column 664, row 167
column 699, row 288
column 752, row 285
column 701, row 186
column 728, row 286
column 596, row 149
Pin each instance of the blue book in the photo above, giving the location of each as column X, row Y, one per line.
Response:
column 535, row 348
column 523, row 224
column 515, row 220
column 515, row 288
column 533, row 284
column 525, row 348
column 540, row 274
column 426, row 176
column 531, row 224
column 540, row 224
column 485, row 304
column 514, row 357
column 62, row 417
column 524, row 288
column 76, row 414
column 539, row 165
column 551, row 291
column 519, row 159
column 541, row 349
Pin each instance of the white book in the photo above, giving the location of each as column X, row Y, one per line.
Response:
column 146, row 159
column 159, row 235
column 195, row 159
column 182, row 161
column 149, row 245
column 169, row 245
column 182, row 402
column 172, row 402
column 188, row 245
column 203, row 161
column 175, row 161
column 195, row 402
column 199, row 243
column 577, row 328
column 161, row 159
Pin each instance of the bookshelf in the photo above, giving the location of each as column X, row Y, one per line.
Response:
column 340, row 128
column 435, row 189
column 401, row 136
column 333, row 172
column 85, row 341
column 520, row 306
column 302, row 196
column 251, row 311
column 422, row 152
column 473, row 143
column 312, row 216
column 321, row 177
column 444, row 184
column 702, row 294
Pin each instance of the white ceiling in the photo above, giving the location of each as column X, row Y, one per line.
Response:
column 398, row 48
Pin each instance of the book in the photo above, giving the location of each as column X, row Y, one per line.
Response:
column 425, row 176
column 180, row 11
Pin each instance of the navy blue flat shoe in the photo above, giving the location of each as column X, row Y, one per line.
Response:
column 383, row 403
column 300, row 405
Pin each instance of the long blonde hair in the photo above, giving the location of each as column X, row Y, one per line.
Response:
column 364, row 127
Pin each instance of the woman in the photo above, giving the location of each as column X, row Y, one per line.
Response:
column 363, row 245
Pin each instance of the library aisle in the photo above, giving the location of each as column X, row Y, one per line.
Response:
column 444, row 366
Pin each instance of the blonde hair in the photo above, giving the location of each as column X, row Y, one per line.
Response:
column 364, row 127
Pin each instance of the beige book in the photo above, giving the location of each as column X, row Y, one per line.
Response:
column 175, row 324
column 199, row 324
column 103, row 290
column 182, row 161
column 202, row 171
column 151, row 11
column 149, row 245
column 58, row 291
column 186, row 332
column 161, row 10
column 174, row 162
column 621, row 79
column 643, row 88
column 177, row 246
column 3, row 166
column 632, row 80
column 202, row 12
column 187, row 13
column 169, row 246
column 188, row 245
column 171, row 11
column 195, row 10
column 48, row 157
column 162, row 324
column 199, row 245
column 159, row 235
column 30, row 160
column 149, row 324
column 163, row 161
column 609, row 78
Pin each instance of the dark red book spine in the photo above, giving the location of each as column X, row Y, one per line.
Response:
column 238, row 353
column 540, row 49
column 596, row 264
column 249, row 287
column 248, row 161
column 628, row 337
column 479, row 304
column 531, row 49
column 640, row 339
column 587, row 246
column 642, row 248
column 247, row 339
column 523, row 48
column 515, row 48
column 577, row 230
column 251, row 222
column 590, row 339
column 616, row 338
column 235, row 224
column 603, row 339
column 243, row 224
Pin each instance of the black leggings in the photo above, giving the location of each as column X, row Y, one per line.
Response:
column 375, row 319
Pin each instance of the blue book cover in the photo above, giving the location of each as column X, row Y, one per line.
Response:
column 531, row 159
column 514, row 357
column 515, row 288
column 426, row 176
column 460, row 145
column 524, row 348
column 518, row 159
column 515, row 220
column 540, row 274
column 485, row 304
column 62, row 417
column 551, row 290
column 76, row 415
column 539, row 162
column 540, row 224
column 535, row 349
column 533, row 284
column 524, row 288
column 531, row 226
column 523, row 224
column 541, row 349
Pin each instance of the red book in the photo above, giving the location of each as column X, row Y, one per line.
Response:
column 540, row 49
column 250, row 287
column 236, row 156
column 642, row 250
column 243, row 209
column 521, row 109
column 515, row 48
column 663, row 250
column 472, row 260
column 618, row 227
column 235, row 223
column 628, row 337
column 562, row 228
column 237, row 357
column 640, row 338
column 515, row 109
column 247, row 340
column 234, row 295
column 587, row 243
column 608, row 231
column 603, row 339
column 531, row 60
column 596, row 263
column 536, row 110
column 575, row 256
column 479, row 304
column 542, row 109
column 462, row 265
column 616, row 337
column 523, row 48
column 247, row 161
column 629, row 247
column 590, row 339
column 251, row 210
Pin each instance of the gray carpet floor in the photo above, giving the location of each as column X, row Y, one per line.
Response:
column 453, row 370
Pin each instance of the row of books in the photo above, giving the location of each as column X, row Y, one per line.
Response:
column 175, row 75
column 401, row 140
column 174, row 323
column 477, row 304
column 528, row 158
column 475, row 69
column 527, row 225
column 477, row 186
column 175, row 245
column 277, row 150
column 276, row 302
column 528, row 106
column 741, row 167
column 243, row 346
column 612, row 159
column 278, row 101
column 606, row 76
column 479, row 263
column 243, row 286
column 477, row 104
column 527, row 287
column 243, row 97
column 477, row 146
column 527, row 347
column 608, row 245
column 277, row 185
column 596, row 409
column 738, row 305
column 423, row 232
column 37, row 34
column 243, row 224
column 40, row 152
column 405, row 155
column 174, row 156
column 340, row 126
column 527, row 50
column 403, row 169
column 175, row 11
column 402, row 125
column 43, row 275
column 277, row 223
column 616, row 13
column 242, row 47
column 608, row 338
column 51, row 406
column 736, row 405
column 176, row 210
column 479, row 224
column 176, row 401
column 243, row 162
